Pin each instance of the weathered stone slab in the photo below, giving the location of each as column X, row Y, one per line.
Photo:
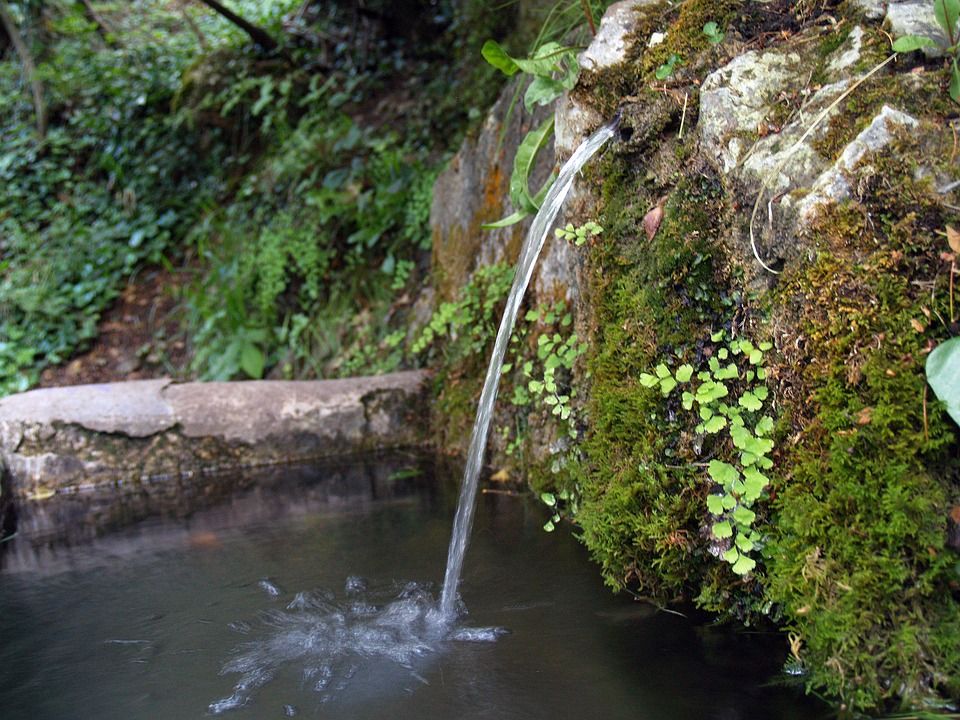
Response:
column 76, row 438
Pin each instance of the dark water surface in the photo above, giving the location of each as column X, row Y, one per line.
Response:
column 310, row 595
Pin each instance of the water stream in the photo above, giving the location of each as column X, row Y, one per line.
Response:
column 532, row 245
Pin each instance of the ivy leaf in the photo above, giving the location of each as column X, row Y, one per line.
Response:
column 715, row 504
column 722, row 530
column 744, row 565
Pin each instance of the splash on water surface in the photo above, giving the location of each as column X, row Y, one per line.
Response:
column 329, row 640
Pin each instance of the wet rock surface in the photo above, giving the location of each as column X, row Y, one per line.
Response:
column 81, row 437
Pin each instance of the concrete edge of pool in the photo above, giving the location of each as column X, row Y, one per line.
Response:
column 84, row 437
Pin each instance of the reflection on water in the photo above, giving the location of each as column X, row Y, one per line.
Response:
column 312, row 594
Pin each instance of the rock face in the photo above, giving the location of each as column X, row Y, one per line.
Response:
column 73, row 438
column 475, row 189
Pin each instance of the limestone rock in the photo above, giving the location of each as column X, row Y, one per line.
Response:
column 610, row 44
column 475, row 189
column 872, row 9
column 86, row 436
column 916, row 17
column 833, row 185
column 737, row 98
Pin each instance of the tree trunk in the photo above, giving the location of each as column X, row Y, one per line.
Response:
column 29, row 67
column 259, row 36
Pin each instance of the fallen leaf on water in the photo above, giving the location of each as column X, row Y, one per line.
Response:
column 500, row 476
column 41, row 492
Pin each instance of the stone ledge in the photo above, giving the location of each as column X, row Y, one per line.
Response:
column 68, row 439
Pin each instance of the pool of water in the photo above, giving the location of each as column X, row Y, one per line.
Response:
column 311, row 592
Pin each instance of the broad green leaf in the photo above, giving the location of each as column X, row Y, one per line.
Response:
column 252, row 361
column 705, row 412
column 943, row 374
column 722, row 529
column 729, row 502
column 548, row 499
column 523, row 164
column 509, row 220
column 684, row 373
column 549, row 526
column 909, row 43
column 717, row 336
column 750, row 401
column 497, row 56
column 715, row 504
column 722, row 473
column 687, row 399
column 743, row 543
column 542, row 91
column 662, row 371
column 744, row 565
column 947, row 13
column 731, row 555
column 545, row 61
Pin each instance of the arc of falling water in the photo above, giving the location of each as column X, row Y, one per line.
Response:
column 529, row 253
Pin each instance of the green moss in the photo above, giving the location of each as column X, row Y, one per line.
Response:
column 642, row 503
column 685, row 36
column 921, row 95
column 858, row 561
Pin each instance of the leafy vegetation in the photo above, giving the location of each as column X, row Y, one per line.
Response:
column 947, row 13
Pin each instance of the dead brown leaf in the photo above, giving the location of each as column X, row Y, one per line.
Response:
column 953, row 238
column 865, row 416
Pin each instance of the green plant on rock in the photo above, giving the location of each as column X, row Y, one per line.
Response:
column 555, row 70
column 468, row 323
column 735, row 367
column 713, row 32
column 579, row 235
column 947, row 13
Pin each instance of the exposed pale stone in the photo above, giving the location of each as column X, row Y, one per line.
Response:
column 833, row 185
column 872, row 9
column 847, row 55
column 89, row 435
column 916, row 17
column 738, row 97
column 610, row 45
